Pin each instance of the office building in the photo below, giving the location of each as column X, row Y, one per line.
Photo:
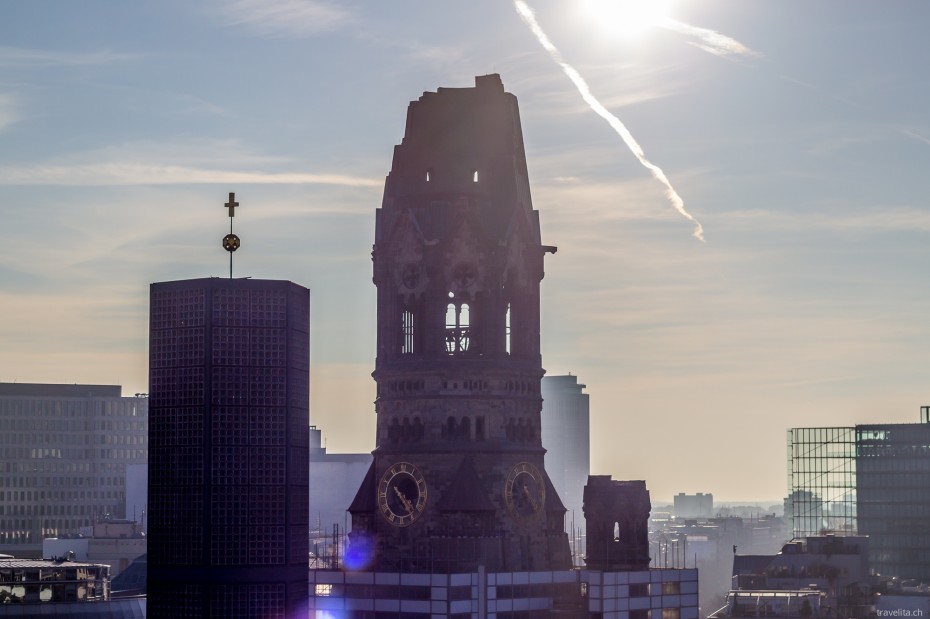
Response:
column 691, row 506
column 334, row 480
column 871, row 479
column 64, row 451
column 566, row 436
column 229, row 400
column 893, row 497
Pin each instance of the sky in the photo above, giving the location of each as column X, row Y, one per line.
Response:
column 796, row 134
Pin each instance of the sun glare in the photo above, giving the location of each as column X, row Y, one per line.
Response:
column 628, row 18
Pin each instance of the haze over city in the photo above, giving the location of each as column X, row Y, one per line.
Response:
column 796, row 134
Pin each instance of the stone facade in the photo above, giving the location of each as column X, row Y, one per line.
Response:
column 458, row 479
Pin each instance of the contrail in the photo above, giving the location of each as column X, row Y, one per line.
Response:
column 526, row 14
column 711, row 41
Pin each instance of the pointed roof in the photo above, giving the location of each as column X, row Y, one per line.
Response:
column 466, row 493
column 364, row 501
column 553, row 502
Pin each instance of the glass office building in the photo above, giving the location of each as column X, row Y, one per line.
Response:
column 893, row 485
column 821, row 480
column 871, row 479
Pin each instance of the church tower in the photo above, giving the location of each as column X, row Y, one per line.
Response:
column 457, row 479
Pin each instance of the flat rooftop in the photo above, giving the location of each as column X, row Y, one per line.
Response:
column 42, row 390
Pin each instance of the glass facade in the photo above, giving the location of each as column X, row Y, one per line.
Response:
column 870, row 479
column 228, row 474
column 63, row 456
column 821, row 481
column 893, row 479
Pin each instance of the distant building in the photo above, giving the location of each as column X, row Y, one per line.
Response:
column 64, row 452
column 827, row 574
column 698, row 505
column 334, row 479
column 229, row 398
column 112, row 542
column 566, row 436
column 871, row 479
column 63, row 588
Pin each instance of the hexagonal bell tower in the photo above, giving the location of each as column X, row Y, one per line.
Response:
column 458, row 479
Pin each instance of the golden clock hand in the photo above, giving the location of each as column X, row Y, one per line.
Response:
column 529, row 497
column 403, row 499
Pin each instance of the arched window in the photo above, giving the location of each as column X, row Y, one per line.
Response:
column 457, row 332
column 406, row 346
column 507, row 330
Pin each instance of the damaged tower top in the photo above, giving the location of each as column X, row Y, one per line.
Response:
column 458, row 479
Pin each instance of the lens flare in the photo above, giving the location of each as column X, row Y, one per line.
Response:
column 529, row 18
column 626, row 18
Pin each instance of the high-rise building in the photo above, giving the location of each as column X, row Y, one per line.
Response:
column 566, row 435
column 893, row 497
column 229, row 403
column 871, row 479
column 64, row 450
column 458, row 479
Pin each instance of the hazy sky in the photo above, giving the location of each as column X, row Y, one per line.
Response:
column 804, row 154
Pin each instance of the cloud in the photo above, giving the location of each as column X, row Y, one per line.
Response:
column 20, row 56
column 711, row 41
column 8, row 111
column 529, row 18
column 96, row 174
column 175, row 163
column 286, row 18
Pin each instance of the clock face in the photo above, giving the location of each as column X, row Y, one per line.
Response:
column 402, row 494
column 410, row 276
column 525, row 492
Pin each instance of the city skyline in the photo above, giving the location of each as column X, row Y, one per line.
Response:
column 802, row 154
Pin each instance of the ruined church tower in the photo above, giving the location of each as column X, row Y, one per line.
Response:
column 458, row 479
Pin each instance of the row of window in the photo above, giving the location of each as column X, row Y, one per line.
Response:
column 431, row 175
column 412, row 430
column 457, row 331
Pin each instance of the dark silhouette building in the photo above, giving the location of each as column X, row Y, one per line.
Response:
column 229, row 400
column 458, row 479
column 617, row 518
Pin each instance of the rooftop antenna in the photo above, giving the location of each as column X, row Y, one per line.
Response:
column 231, row 241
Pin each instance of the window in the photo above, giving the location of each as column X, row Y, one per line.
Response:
column 457, row 332
column 407, row 327
column 671, row 587
column 507, row 330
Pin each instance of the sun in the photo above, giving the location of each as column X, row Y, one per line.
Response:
column 628, row 18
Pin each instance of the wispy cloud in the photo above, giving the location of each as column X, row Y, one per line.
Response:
column 172, row 162
column 160, row 174
column 8, row 111
column 710, row 41
column 20, row 56
column 529, row 18
column 286, row 18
